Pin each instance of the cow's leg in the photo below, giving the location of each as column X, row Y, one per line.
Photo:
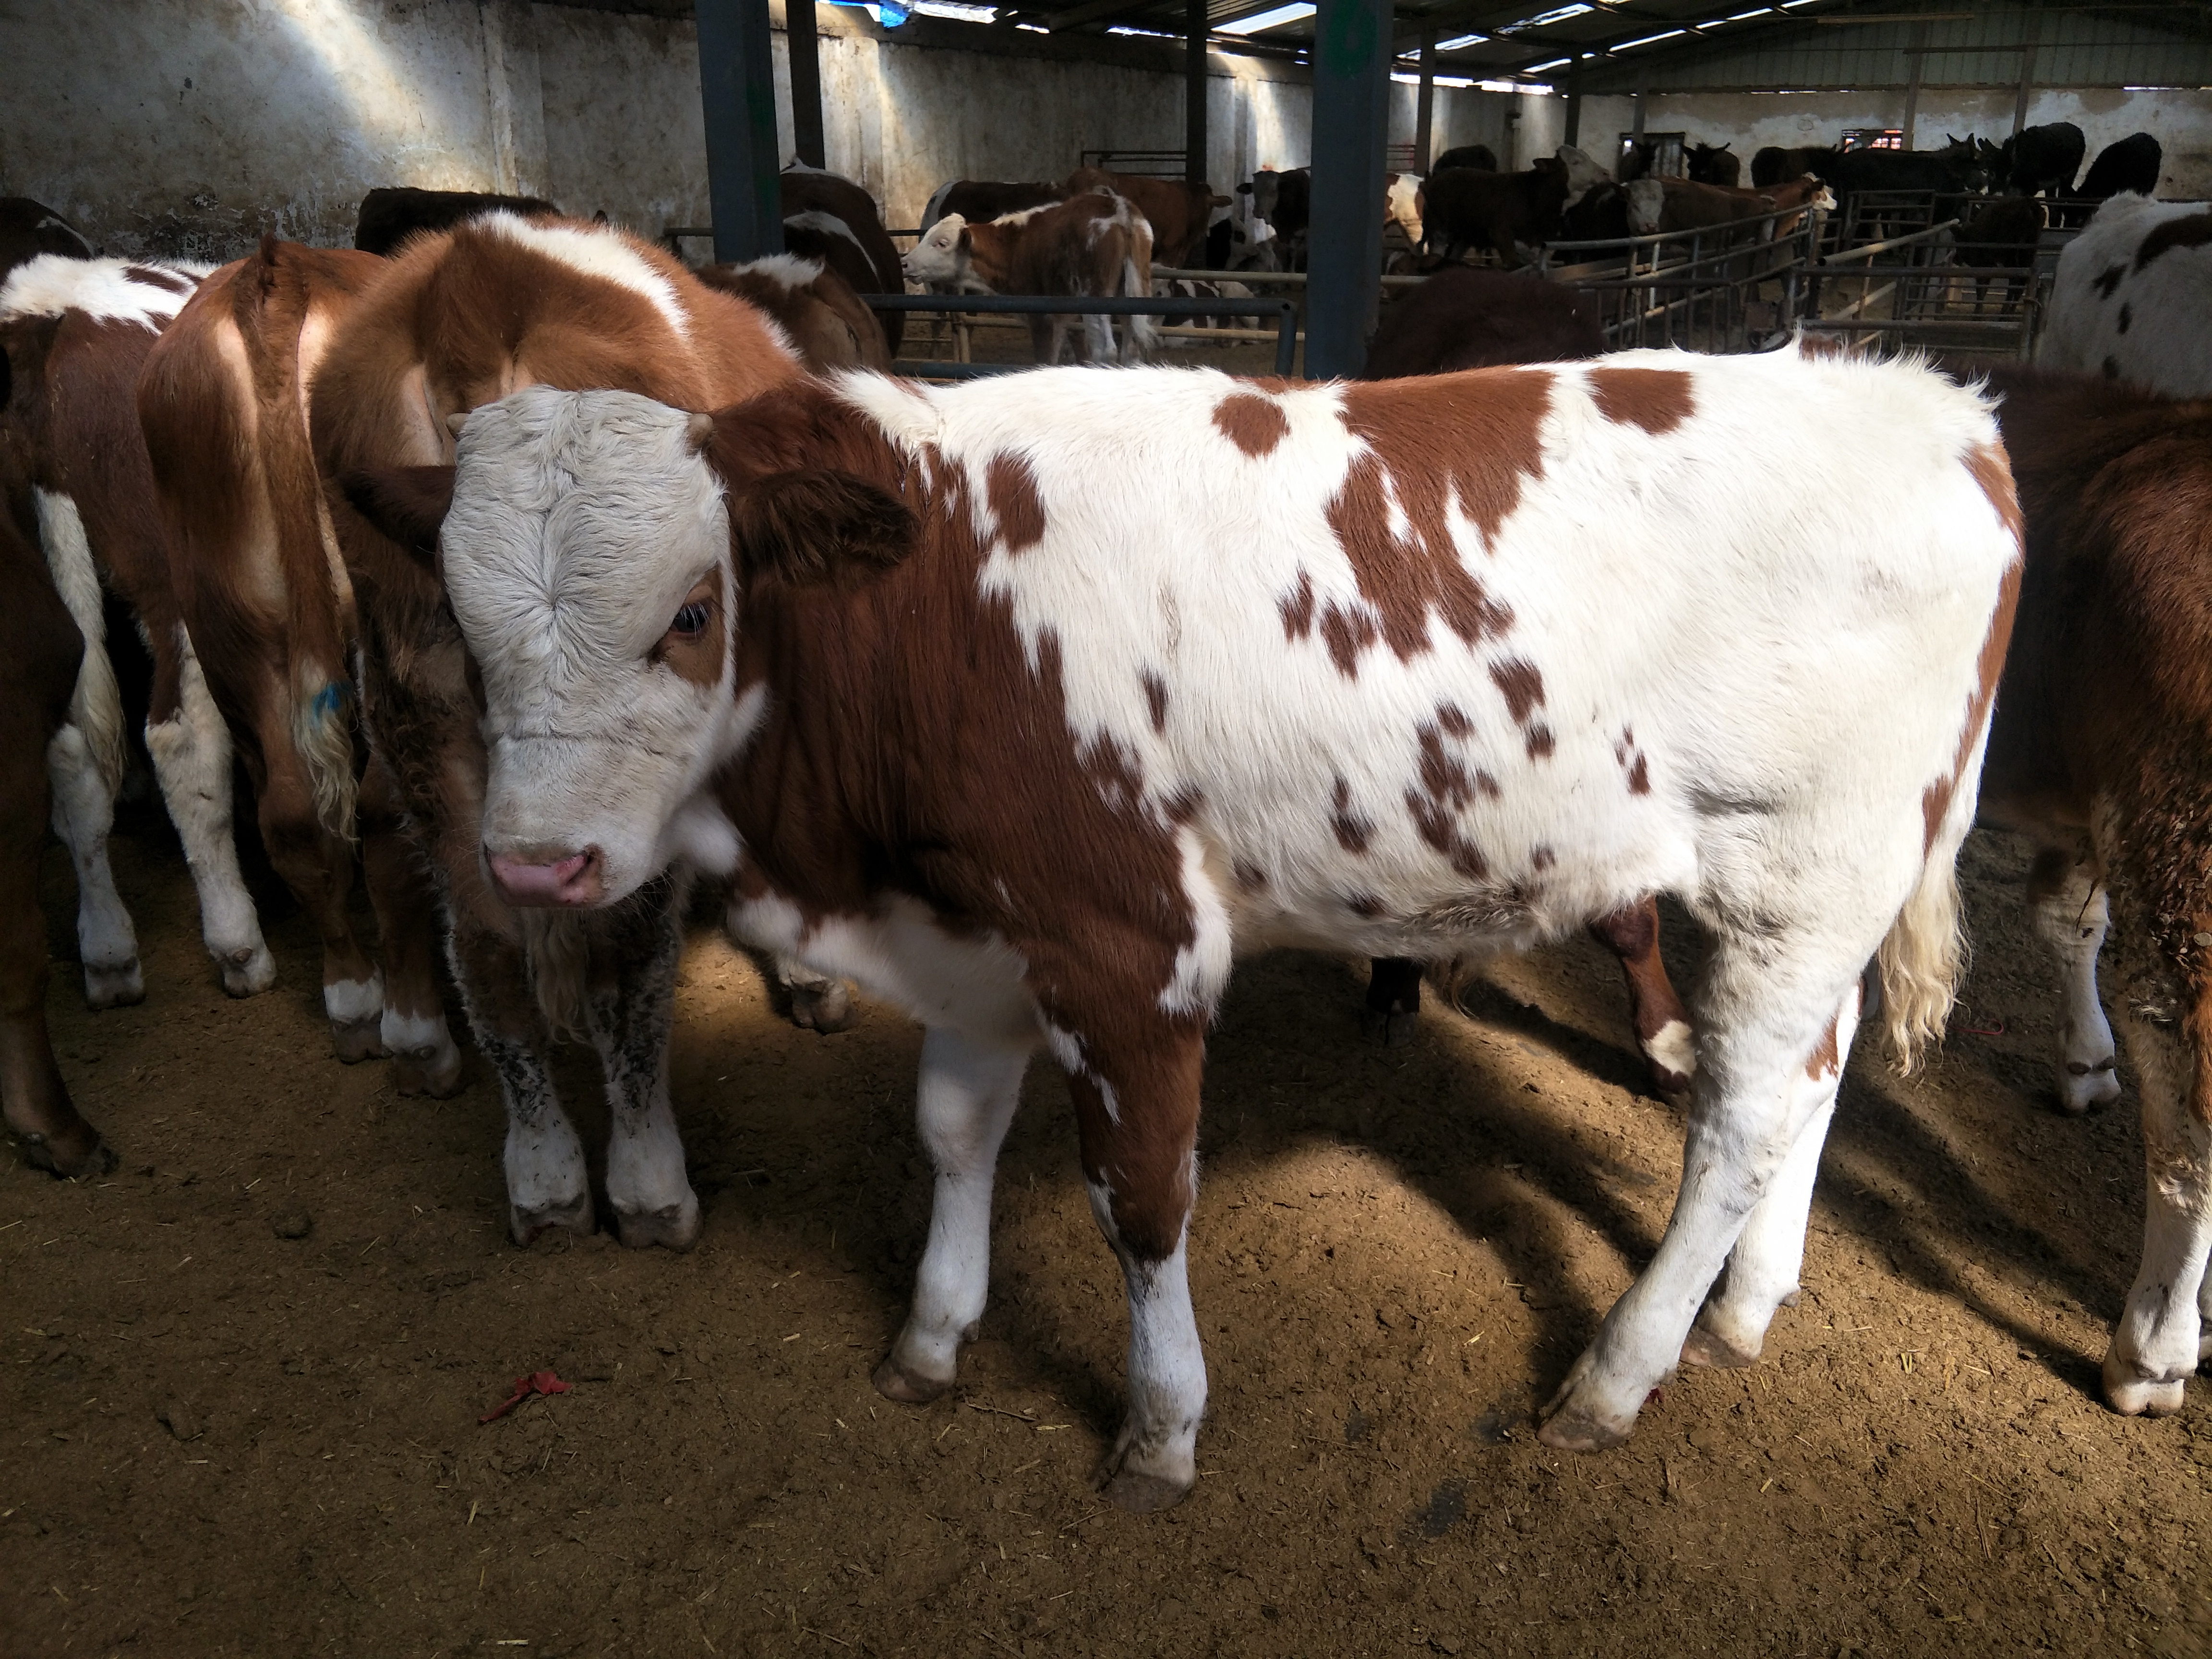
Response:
column 965, row 1101
column 1136, row 1102
column 1662, row 1025
column 412, row 1027
column 1045, row 334
column 818, row 1002
column 1098, row 338
column 1763, row 1268
column 1393, row 1000
column 2066, row 891
column 317, row 864
column 1767, row 1027
column 33, row 1099
column 2158, row 1340
column 83, row 816
column 190, row 744
column 629, row 1008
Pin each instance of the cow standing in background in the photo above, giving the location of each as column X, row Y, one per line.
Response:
column 74, row 466
column 1090, row 245
column 263, row 593
column 459, row 320
column 2131, row 164
column 975, row 199
column 391, row 214
column 28, row 228
column 1708, row 165
column 826, row 216
column 1177, row 210
column 817, row 309
column 2038, row 160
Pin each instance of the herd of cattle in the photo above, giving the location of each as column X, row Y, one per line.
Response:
column 543, row 577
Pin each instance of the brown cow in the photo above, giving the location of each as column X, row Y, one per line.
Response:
column 73, row 467
column 262, row 594
column 1092, row 245
column 41, row 651
column 816, row 308
column 459, row 321
column 1176, row 210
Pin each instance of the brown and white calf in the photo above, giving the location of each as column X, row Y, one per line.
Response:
column 459, row 321
column 73, row 463
column 261, row 589
column 1092, row 245
column 2102, row 751
column 1412, row 668
column 40, row 652
column 821, row 317
column 1175, row 210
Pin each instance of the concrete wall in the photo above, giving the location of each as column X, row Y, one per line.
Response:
column 2181, row 120
column 187, row 127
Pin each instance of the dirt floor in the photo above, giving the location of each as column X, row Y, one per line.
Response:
column 216, row 1438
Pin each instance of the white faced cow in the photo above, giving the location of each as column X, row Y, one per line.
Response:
column 1033, row 746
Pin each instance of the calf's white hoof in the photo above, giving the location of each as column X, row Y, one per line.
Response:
column 673, row 1226
column 1705, row 1346
column 825, row 1007
column 247, row 971
column 895, row 1381
column 423, row 1063
column 2131, row 1394
column 120, row 985
column 1145, row 1479
column 1577, row 1420
column 573, row 1216
column 2088, row 1088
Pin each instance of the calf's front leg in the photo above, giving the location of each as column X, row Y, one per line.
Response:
column 630, row 1009
column 964, row 1105
column 2067, row 892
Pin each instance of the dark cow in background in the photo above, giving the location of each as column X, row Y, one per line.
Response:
column 1708, row 165
column 2133, row 163
column 2038, row 160
column 28, row 228
column 1958, row 168
column 1176, row 209
column 40, row 652
column 1466, row 318
column 1601, row 216
column 2133, row 298
column 1774, row 165
column 1285, row 201
column 826, row 216
column 984, row 199
column 1507, row 213
column 391, row 214
column 1477, row 156
column 2003, row 234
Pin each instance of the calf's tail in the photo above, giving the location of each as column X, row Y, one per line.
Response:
column 1922, row 959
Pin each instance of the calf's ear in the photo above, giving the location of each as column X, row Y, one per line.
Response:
column 816, row 526
column 407, row 503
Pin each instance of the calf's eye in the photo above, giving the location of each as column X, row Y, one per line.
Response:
column 690, row 620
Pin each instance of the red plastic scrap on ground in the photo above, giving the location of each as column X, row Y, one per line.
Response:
column 536, row 1383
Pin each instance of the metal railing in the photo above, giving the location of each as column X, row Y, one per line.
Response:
column 1699, row 290
column 1911, row 293
column 1139, row 163
column 1056, row 305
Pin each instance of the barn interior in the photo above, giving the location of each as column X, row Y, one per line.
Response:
column 242, row 1405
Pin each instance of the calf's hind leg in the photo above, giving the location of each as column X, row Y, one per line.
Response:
column 1762, row 1270
column 2066, row 891
column 965, row 1101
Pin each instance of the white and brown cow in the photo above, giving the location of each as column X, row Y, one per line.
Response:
column 2133, row 298
column 1093, row 245
column 820, row 315
column 458, row 319
column 1033, row 747
column 74, row 465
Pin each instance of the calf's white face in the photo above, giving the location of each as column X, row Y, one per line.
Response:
column 941, row 256
column 586, row 555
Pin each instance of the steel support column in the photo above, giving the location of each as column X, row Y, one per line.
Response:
column 1193, row 92
column 736, row 93
column 1425, row 104
column 2031, row 22
column 1351, row 100
column 805, row 83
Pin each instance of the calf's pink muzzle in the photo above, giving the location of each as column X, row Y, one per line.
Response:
column 572, row 881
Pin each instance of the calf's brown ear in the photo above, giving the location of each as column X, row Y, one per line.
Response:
column 407, row 503
column 817, row 526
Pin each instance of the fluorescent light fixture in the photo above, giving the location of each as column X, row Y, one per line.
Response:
column 1740, row 16
column 1627, row 45
column 1033, row 28
column 1557, row 15
column 1460, row 40
column 1156, row 35
column 958, row 14
column 1405, row 79
column 1538, row 69
column 1273, row 17
column 1526, row 89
